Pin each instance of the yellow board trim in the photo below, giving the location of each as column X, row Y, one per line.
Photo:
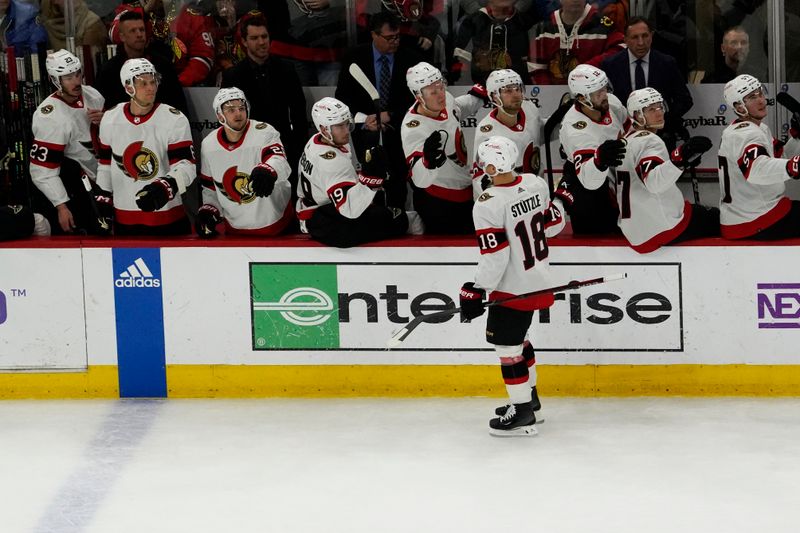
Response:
column 342, row 381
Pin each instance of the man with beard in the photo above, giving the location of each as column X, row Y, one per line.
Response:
column 735, row 48
column 62, row 151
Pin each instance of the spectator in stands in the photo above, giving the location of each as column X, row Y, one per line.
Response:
column 19, row 26
column 310, row 35
column 575, row 34
column 498, row 34
column 735, row 47
column 89, row 29
column 135, row 45
column 192, row 43
column 272, row 88
column 639, row 66
column 385, row 64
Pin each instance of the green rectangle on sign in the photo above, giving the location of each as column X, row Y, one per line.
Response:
column 294, row 306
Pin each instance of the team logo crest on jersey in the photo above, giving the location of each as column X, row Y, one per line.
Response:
column 606, row 21
column 174, row 111
column 261, row 126
column 412, row 123
column 486, row 128
column 483, row 197
column 579, row 125
column 47, row 109
column 642, row 134
column 235, row 186
column 742, row 125
column 330, row 154
column 137, row 162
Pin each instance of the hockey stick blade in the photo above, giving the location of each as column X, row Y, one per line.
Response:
column 401, row 334
column 362, row 80
column 788, row 101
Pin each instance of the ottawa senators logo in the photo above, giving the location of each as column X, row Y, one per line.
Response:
column 235, row 186
column 412, row 124
column 579, row 125
column 137, row 162
column 261, row 126
column 47, row 109
column 485, row 196
column 174, row 111
column 642, row 134
column 330, row 154
column 486, row 128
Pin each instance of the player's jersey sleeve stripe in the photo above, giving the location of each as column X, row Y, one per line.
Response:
column 45, row 154
column 491, row 240
column 180, row 151
column 749, row 155
column 579, row 157
column 271, row 151
column 646, row 165
column 339, row 200
column 207, row 182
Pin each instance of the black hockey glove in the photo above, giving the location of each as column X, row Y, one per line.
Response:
column 373, row 169
column 471, row 301
column 105, row 211
column 206, row 222
column 794, row 126
column 610, row 154
column 433, row 155
column 793, row 167
column 262, row 180
column 689, row 154
column 157, row 194
column 479, row 91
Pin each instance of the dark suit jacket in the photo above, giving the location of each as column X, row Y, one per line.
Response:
column 663, row 76
column 276, row 97
column 351, row 93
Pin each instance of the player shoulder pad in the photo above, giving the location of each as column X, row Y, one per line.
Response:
column 484, row 197
column 486, row 128
column 175, row 111
column 412, row 123
column 581, row 124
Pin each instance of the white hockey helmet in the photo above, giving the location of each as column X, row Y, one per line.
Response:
column 327, row 112
column 61, row 63
column 133, row 68
column 224, row 96
column 739, row 87
column 642, row 98
column 421, row 75
column 498, row 151
column 501, row 78
column 586, row 79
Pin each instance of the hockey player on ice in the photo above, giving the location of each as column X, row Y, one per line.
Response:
column 590, row 136
column 436, row 152
column 513, row 117
column 337, row 204
column 244, row 173
column 652, row 210
column 513, row 219
column 753, row 201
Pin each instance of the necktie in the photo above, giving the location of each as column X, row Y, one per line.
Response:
column 386, row 81
column 639, row 75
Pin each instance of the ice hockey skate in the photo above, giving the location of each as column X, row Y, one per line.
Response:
column 518, row 421
column 537, row 405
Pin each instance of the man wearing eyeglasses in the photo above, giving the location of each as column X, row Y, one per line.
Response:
column 385, row 64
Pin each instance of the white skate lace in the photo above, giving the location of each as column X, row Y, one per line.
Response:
column 511, row 412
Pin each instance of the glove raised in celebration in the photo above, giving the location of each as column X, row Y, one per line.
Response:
column 373, row 169
column 262, row 180
column 471, row 301
column 206, row 221
column 610, row 154
column 689, row 154
column 157, row 194
column 433, row 150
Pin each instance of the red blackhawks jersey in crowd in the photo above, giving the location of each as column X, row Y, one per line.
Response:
column 652, row 210
column 225, row 176
column 136, row 149
column 512, row 223
column 527, row 134
column 557, row 49
column 327, row 174
column 752, row 176
column 62, row 130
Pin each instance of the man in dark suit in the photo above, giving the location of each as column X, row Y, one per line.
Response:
column 639, row 66
column 272, row 88
column 385, row 64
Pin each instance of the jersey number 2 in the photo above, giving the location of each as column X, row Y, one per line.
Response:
column 534, row 244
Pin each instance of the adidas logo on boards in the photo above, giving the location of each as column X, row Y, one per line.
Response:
column 137, row 275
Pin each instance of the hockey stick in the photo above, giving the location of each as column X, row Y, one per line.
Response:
column 550, row 126
column 101, row 220
column 400, row 335
column 789, row 102
column 695, row 186
column 367, row 85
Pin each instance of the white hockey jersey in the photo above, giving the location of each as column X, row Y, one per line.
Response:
column 527, row 134
column 225, row 176
column 327, row 174
column 62, row 130
column 452, row 181
column 136, row 149
column 512, row 223
column 580, row 136
column 652, row 210
column 751, row 180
